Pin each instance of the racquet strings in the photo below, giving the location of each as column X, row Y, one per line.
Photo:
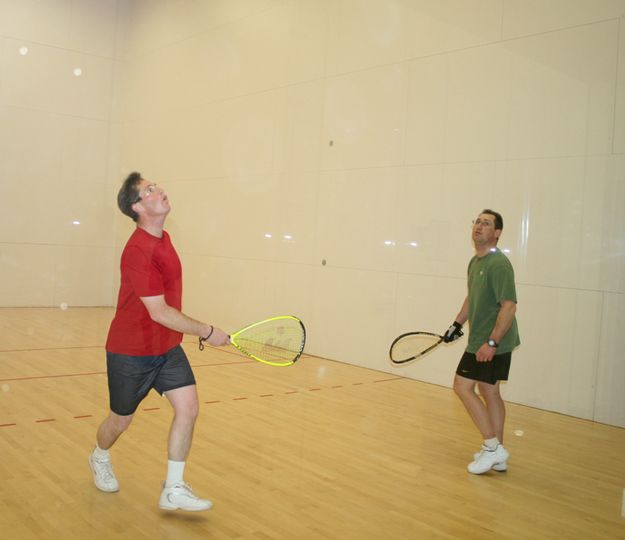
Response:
column 412, row 345
column 279, row 340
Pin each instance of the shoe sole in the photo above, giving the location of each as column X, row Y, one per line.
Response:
column 172, row 508
column 498, row 467
column 165, row 504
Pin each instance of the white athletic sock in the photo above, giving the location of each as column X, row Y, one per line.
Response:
column 175, row 472
column 491, row 444
column 100, row 454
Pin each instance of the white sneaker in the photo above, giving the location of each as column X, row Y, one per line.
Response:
column 499, row 467
column 487, row 459
column 181, row 497
column 103, row 475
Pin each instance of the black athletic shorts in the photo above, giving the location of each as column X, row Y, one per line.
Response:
column 489, row 372
column 130, row 378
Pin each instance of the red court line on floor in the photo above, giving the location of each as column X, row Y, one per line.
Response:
column 52, row 348
column 54, row 376
column 68, row 347
column 240, row 398
column 223, row 364
column 90, row 373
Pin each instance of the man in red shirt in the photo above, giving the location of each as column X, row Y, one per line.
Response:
column 143, row 347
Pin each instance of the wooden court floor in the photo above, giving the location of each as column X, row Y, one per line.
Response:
column 320, row 450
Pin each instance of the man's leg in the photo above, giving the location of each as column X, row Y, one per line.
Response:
column 495, row 407
column 465, row 389
column 186, row 407
column 493, row 455
column 176, row 492
column 100, row 459
column 111, row 428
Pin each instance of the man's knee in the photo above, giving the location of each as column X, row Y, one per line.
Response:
column 192, row 410
column 119, row 423
column 489, row 391
column 185, row 403
column 463, row 387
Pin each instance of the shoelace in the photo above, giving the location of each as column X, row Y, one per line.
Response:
column 484, row 451
column 186, row 491
column 104, row 469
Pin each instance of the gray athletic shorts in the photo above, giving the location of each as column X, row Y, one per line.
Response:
column 130, row 378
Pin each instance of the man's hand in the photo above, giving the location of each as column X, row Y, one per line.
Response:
column 485, row 353
column 453, row 332
column 217, row 337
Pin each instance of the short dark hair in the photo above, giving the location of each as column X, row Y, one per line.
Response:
column 498, row 218
column 129, row 195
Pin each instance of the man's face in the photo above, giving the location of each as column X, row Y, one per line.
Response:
column 154, row 201
column 484, row 232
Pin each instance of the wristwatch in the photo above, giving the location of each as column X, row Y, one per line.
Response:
column 492, row 343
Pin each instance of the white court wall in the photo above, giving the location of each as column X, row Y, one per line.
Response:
column 54, row 152
column 368, row 135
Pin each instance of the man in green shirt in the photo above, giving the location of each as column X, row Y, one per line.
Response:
column 490, row 308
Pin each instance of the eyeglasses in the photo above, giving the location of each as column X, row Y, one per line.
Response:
column 149, row 190
column 484, row 222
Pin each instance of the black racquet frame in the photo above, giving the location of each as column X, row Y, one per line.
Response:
column 410, row 359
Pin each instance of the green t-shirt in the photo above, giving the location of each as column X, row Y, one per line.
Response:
column 490, row 281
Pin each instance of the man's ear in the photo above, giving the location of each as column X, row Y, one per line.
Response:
column 137, row 207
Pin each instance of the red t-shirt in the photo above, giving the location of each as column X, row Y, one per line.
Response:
column 149, row 267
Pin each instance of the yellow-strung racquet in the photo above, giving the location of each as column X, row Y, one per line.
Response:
column 277, row 341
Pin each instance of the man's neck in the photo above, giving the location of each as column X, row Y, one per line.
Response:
column 482, row 251
column 155, row 228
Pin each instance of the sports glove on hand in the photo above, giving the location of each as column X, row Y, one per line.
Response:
column 453, row 332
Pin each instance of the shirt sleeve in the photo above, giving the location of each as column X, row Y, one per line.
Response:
column 142, row 272
column 503, row 283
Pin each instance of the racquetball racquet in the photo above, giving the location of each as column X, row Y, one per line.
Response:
column 412, row 345
column 277, row 341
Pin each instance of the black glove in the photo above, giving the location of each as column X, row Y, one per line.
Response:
column 453, row 332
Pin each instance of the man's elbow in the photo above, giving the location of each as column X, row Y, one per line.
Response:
column 155, row 316
column 157, row 312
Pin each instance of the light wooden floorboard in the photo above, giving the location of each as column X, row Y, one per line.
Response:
column 320, row 450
